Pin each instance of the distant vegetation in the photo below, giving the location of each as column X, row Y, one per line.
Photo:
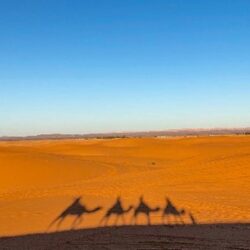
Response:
column 180, row 132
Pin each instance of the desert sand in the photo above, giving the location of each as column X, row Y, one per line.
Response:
column 207, row 176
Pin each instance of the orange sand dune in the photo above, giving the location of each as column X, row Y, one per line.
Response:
column 208, row 176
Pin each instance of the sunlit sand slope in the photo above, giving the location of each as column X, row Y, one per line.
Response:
column 208, row 176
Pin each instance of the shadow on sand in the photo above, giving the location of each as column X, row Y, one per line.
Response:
column 77, row 209
column 173, row 233
column 209, row 236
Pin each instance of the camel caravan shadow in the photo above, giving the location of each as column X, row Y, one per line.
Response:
column 170, row 215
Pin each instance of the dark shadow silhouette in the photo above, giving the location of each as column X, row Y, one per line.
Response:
column 143, row 208
column 189, row 237
column 75, row 209
column 193, row 220
column 117, row 210
column 171, row 210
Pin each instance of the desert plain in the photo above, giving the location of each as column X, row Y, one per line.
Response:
column 208, row 176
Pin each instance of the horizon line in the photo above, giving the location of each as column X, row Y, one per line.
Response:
column 173, row 132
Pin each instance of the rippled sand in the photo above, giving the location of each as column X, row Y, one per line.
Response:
column 208, row 176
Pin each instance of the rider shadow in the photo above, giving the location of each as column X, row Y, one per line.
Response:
column 170, row 210
column 116, row 210
column 143, row 208
column 76, row 209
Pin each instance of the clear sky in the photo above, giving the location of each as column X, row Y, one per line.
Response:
column 102, row 66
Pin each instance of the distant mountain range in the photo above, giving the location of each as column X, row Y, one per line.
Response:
column 173, row 132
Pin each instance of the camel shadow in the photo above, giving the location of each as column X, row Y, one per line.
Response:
column 76, row 209
column 116, row 210
column 171, row 210
column 143, row 208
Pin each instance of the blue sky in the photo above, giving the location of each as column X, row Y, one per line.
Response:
column 101, row 66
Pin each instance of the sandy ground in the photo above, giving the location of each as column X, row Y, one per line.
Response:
column 208, row 176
